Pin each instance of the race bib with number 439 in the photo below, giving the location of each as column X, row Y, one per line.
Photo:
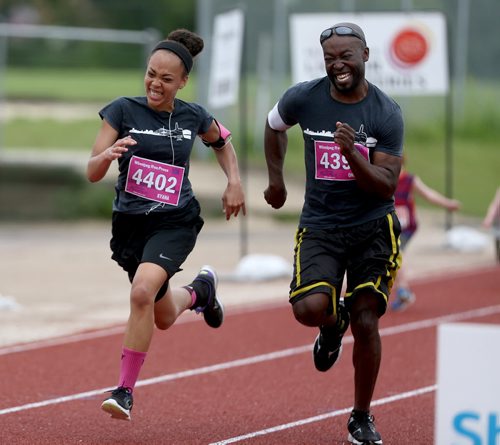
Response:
column 154, row 180
column 331, row 165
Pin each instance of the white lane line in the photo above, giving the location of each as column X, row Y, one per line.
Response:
column 393, row 330
column 320, row 417
column 449, row 274
column 75, row 338
column 62, row 340
column 115, row 330
column 167, row 377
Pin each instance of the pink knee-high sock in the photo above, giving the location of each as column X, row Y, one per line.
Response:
column 130, row 366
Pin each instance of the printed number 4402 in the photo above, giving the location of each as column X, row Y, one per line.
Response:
column 160, row 182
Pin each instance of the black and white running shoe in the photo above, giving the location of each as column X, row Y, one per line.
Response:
column 119, row 404
column 362, row 429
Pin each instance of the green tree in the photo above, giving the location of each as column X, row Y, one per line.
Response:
column 162, row 15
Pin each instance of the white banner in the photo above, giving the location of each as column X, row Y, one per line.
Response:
column 227, row 44
column 468, row 394
column 408, row 51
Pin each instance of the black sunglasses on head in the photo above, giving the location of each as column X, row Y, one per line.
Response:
column 340, row 31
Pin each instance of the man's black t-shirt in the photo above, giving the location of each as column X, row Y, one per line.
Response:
column 332, row 197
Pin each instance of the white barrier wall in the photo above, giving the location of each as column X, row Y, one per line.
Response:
column 468, row 378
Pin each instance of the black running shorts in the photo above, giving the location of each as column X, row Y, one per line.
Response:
column 165, row 239
column 369, row 254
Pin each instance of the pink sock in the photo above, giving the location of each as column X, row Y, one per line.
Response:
column 192, row 292
column 130, row 366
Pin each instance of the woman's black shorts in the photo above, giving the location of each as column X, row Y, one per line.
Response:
column 162, row 238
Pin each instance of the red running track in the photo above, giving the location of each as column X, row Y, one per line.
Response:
column 251, row 382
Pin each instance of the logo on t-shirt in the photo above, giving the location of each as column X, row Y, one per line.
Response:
column 177, row 133
column 360, row 136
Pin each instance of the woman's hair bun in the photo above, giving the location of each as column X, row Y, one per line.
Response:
column 192, row 41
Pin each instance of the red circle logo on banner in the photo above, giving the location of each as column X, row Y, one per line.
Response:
column 409, row 47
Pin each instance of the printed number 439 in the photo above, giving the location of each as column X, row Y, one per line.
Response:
column 334, row 161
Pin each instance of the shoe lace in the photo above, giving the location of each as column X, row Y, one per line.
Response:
column 363, row 422
column 363, row 417
column 211, row 292
column 120, row 390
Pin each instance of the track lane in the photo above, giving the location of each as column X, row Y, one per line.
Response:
column 213, row 406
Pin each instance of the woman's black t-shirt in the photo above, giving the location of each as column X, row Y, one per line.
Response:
column 160, row 167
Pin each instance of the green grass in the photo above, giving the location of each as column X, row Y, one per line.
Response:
column 83, row 85
column 45, row 134
column 80, row 85
column 71, row 86
column 475, row 174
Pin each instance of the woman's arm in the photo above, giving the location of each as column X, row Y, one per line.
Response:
column 106, row 149
column 233, row 198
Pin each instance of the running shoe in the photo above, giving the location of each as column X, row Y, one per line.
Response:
column 119, row 404
column 328, row 344
column 404, row 298
column 213, row 312
column 362, row 429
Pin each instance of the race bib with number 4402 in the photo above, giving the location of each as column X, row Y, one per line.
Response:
column 331, row 165
column 154, row 180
